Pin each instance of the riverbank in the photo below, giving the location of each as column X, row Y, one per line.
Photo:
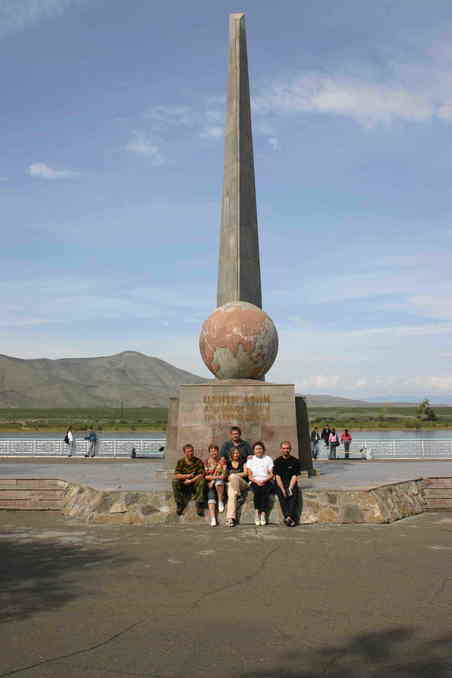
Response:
column 143, row 430
column 145, row 420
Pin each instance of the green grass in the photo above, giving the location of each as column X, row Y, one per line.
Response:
column 378, row 418
column 102, row 419
column 147, row 419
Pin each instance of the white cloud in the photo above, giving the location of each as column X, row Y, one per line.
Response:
column 417, row 90
column 274, row 143
column 368, row 103
column 172, row 115
column 144, row 144
column 379, row 385
column 43, row 171
column 212, row 132
column 434, row 306
column 17, row 15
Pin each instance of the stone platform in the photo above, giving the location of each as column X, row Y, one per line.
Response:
column 138, row 492
column 203, row 414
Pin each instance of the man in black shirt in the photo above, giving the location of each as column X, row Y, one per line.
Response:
column 326, row 434
column 236, row 442
column 286, row 470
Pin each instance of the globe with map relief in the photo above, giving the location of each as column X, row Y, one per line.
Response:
column 238, row 341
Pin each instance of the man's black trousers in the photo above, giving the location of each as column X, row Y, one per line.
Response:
column 289, row 505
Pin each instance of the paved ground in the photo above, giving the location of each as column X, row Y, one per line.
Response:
column 146, row 475
column 189, row 602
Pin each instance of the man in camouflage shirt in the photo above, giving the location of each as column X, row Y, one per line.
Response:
column 189, row 481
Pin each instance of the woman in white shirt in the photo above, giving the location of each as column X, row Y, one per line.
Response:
column 260, row 472
column 70, row 441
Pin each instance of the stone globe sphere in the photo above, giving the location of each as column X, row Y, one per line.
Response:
column 238, row 341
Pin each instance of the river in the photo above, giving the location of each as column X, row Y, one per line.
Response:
column 133, row 435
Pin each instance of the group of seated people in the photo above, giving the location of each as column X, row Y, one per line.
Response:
column 226, row 476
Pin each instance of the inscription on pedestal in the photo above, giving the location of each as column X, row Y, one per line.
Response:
column 204, row 413
column 223, row 409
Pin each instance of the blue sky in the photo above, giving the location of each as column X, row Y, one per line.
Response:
column 111, row 173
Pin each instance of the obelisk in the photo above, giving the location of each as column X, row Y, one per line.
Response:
column 238, row 341
column 239, row 276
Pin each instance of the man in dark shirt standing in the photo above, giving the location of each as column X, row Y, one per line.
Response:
column 189, row 481
column 326, row 434
column 286, row 470
column 236, row 442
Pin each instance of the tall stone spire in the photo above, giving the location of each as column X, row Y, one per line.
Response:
column 239, row 277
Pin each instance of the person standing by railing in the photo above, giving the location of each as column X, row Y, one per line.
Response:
column 92, row 439
column 325, row 435
column 69, row 439
column 334, row 442
column 315, row 442
column 347, row 440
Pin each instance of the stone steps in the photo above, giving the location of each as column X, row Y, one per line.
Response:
column 438, row 494
column 31, row 494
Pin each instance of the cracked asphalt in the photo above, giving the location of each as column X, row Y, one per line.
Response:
column 187, row 601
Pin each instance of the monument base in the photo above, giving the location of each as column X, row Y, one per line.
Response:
column 204, row 413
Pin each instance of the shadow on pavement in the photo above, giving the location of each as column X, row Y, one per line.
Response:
column 38, row 576
column 395, row 652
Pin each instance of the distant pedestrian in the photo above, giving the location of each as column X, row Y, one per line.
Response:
column 333, row 442
column 70, row 441
column 326, row 434
column 346, row 439
column 315, row 442
column 92, row 439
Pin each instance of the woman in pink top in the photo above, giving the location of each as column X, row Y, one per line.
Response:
column 334, row 442
column 346, row 439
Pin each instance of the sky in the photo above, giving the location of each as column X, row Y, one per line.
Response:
column 111, row 174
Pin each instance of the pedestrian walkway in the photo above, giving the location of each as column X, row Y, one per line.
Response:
column 151, row 475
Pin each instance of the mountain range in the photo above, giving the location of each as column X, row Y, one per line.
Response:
column 135, row 379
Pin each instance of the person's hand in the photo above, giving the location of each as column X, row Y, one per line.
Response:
column 283, row 492
column 188, row 482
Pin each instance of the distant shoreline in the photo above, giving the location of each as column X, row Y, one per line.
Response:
column 162, row 431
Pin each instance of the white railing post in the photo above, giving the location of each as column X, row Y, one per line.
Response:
column 422, row 448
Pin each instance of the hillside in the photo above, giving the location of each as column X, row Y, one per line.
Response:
column 134, row 378
column 334, row 401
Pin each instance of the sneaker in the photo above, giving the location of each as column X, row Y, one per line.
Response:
column 200, row 511
column 263, row 519
column 257, row 519
column 179, row 509
column 213, row 522
column 220, row 507
column 230, row 522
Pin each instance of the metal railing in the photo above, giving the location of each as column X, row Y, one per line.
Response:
column 58, row 448
column 361, row 447
column 403, row 448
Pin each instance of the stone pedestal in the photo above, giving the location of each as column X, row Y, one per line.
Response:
column 204, row 413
